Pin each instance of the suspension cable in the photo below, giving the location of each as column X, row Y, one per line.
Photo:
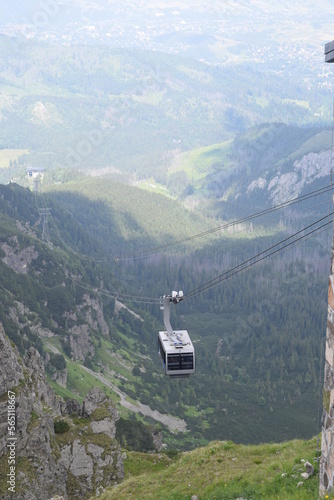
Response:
column 260, row 257
column 158, row 250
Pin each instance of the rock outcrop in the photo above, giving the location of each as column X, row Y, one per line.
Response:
column 60, row 376
column 80, row 343
column 25, row 394
column 18, row 258
column 282, row 186
column 49, row 452
column 327, row 442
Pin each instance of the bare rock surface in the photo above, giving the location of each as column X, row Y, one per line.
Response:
column 71, row 464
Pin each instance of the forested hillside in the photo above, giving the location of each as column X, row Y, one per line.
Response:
column 144, row 174
column 258, row 336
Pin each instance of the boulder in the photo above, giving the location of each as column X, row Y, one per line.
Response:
column 94, row 399
column 309, row 468
column 70, row 407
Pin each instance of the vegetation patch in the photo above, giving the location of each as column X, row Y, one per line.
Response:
column 25, row 468
column 73, row 486
column 326, row 400
column 137, row 463
column 9, row 157
column 63, row 391
column 61, row 426
column 100, row 414
column 34, row 419
column 134, row 435
column 101, row 440
column 221, row 470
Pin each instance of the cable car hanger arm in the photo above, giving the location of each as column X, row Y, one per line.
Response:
column 166, row 300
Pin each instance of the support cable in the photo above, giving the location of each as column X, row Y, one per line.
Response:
column 260, row 257
column 159, row 249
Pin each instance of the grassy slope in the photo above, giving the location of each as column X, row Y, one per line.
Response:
column 219, row 161
column 221, row 470
column 197, row 162
column 8, row 155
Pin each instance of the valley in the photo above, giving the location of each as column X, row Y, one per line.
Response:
column 144, row 151
column 258, row 346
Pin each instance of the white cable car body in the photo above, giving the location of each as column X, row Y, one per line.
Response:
column 175, row 348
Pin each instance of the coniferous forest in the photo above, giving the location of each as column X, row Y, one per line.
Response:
column 131, row 169
column 259, row 335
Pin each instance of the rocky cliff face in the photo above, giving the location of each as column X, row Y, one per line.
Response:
column 286, row 185
column 23, row 387
column 79, row 319
column 327, row 441
column 44, row 451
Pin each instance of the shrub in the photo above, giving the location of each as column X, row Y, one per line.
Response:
column 136, row 371
column 136, row 435
column 61, row 426
column 58, row 361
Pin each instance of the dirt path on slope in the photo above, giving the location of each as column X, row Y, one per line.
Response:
column 174, row 424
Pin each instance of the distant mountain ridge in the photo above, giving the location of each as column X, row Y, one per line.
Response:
column 131, row 113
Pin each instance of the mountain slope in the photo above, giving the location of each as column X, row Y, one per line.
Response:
column 143, row 220
column 95, row 319
column 44, row 451
column 222, row 470
column 262, row 167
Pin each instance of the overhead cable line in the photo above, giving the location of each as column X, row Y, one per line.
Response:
column 115, row 295
column 237, row 269
column 298, row 199
column 260, row 257
column 224, row 276
column 240, row 269
column 158, row 250
column 227, row 274
column 119, row 295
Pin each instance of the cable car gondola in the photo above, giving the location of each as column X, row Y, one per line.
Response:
column 175, row 348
